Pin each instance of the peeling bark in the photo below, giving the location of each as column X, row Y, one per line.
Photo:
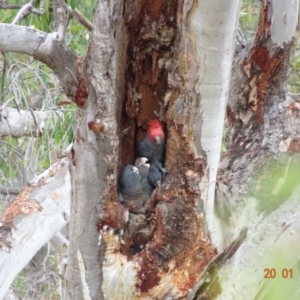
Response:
column 94, row 155
column 260, row 119
column 152, row 29
column 32, row 219
column 165, row 81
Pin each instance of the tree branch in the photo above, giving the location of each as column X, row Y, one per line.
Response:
column 271, row 243
column 32, row 219
column 22, row 123
column 47, row 48
column 81, row 18
column 20, row 15
column 59, row 8
column 7, row 190
column 39, row 12
column 20, row 39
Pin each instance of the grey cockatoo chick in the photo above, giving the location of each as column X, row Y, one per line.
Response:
column 131, row 189
column 143, row 166
column 155, row 176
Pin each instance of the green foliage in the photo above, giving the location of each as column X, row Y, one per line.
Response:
column 294, row 76
column 72, row 3
column 32, row 86
column 10, row 159
column 77, row 42
column 20, row 284
column 249, row 16
column 44, row 283
column 276, row 181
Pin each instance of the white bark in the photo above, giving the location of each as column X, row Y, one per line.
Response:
column 284, row 24
column 211, row 32
column 52, row 192
column 120, row 274
column 59, row 241
column 24, row 122
column 20, row 39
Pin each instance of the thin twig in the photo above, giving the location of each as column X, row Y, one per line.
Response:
column 10, row 6
column 81, row 18
column 24, row 10
column 76, row 81
column 20, row 15
column 35, row 122
column 6, row 190
column 6, row 64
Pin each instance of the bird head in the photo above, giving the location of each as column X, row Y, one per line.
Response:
column 155, row 132
column 130, row 176
column 142, row 161
column 132, row 169
column 143, row 165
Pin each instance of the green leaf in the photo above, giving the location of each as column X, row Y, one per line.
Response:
column 71, row 3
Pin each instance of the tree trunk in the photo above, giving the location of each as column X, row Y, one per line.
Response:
column 260, row 121
column 94, row 157
column 177, row 67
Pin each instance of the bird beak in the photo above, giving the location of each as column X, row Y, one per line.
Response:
column 145, row 162
column 157, row 140
column 135, row 170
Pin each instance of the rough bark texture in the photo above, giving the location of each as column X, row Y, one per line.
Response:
column 151, row 30
column 160, row 83
column 49, row 49
column 32, row 219
column 260, row 169
column 261, row 121
column 95, row 152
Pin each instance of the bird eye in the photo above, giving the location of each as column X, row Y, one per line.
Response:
column 130, row 171
column 138, row 163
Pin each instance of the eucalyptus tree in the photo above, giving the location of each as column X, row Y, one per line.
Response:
column 215, row 232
